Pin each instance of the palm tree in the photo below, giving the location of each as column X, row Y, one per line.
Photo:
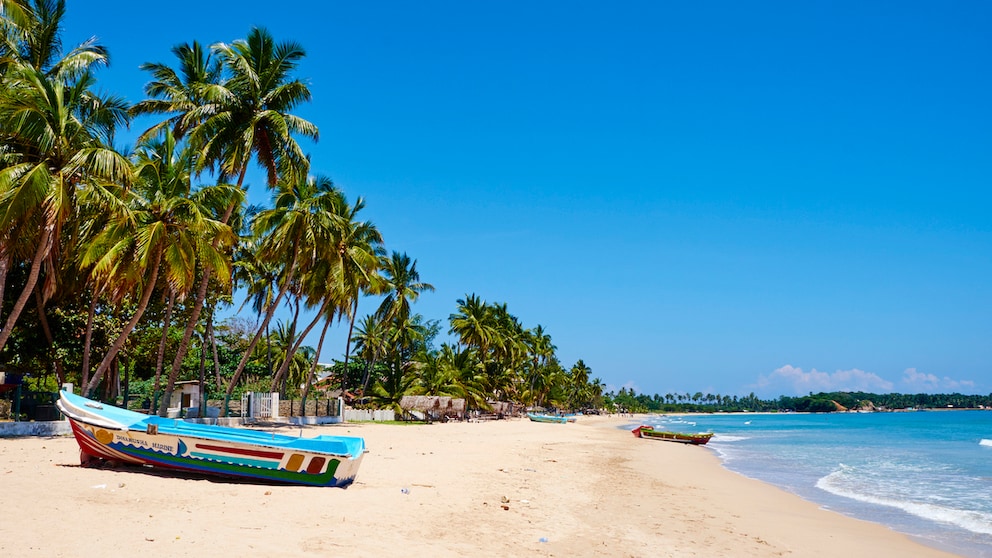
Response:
column 162, row 224
column 295, row 360
column 57, row 132
column 294, row 234
column 249, row 114
column 31, row 35
column 371, row 342
column 180, row 93
column 402, row 285
column 401, row 374
column 473, row 323
column 233, row 116
column 356, row 258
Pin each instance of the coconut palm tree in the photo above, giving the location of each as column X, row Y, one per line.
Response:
column 402, row 285
column 57, row 133
column 248, row 116
column 180, row 93
column 295, row 234
column 162, row 224
column 401, row 374
column 243, row 115
column 371, row 343
column 474, row 324
column 357, row 257
column 31, row 35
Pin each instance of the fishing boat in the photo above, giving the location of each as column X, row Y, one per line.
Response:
column 108, row 434
column 540, row 417
column 650, row 433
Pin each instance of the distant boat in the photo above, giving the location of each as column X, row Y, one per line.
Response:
column 108, row 434
column 540, row 417
column 650, row 433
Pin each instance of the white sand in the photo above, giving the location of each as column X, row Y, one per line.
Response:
column 498, row 488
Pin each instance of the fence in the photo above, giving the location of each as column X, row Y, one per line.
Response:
column 259, row 406
column 256, row 406
column 360, row 415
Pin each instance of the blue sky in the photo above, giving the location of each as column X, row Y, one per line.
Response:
column 726, row 197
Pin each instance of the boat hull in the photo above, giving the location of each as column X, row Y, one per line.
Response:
column 650, row 433
column 550, row 418
column 212, row 450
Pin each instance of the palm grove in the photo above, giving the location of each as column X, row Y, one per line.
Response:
column 115, row 263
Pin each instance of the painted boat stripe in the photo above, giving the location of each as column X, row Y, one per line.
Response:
column 238, row 460
column 242, row 451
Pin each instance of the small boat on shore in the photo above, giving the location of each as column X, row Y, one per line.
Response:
column 108, row 434
column 539, row 417
column 645, row 431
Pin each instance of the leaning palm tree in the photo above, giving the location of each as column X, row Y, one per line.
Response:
column 162, row 224
column 57, row 132
column 356, row 258
column 294, row 233
column 371, row 342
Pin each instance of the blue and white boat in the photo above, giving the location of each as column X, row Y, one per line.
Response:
column 108, row 434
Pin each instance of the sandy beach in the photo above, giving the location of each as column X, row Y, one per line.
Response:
column 496, row 488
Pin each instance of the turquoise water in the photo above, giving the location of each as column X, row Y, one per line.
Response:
column 927, row 474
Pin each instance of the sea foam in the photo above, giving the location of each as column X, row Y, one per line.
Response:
column 970, row 520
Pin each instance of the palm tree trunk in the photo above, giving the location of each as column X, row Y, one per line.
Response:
column 44, row 248
column 347, row 345
column 251, row 347
column 368, row 374
column 160, row 360
column 258, row 335
column 313, row 367
column 201, row 296
column 4, row 266
column 129, row 327
column 88, row 342
column 213, row 347
column 43, row 321
column 295, row 346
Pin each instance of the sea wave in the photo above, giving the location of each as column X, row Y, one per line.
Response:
column 985, row 442
column 970, row 520
column 728, row 438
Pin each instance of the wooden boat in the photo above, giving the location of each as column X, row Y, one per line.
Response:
column 108, row 434
column 650, row 433
column 540, row 417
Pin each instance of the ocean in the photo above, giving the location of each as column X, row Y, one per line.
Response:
column 927, row 474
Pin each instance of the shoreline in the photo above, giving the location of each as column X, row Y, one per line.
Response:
column 496, row 487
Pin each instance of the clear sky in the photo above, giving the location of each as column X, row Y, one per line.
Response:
column 720, row 196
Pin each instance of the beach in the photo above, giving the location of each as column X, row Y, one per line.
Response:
column 492, row 488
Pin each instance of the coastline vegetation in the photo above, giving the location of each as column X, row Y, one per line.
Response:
column 114, row 265
column 838, row 401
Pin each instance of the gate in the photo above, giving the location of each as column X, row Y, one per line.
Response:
column 259, row 406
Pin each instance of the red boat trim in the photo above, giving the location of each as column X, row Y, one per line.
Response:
column 240, row 451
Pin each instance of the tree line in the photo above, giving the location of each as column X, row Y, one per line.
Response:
column 825, row 402
column 113, row 265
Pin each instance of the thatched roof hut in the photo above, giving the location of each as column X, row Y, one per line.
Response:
column 437, row 406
